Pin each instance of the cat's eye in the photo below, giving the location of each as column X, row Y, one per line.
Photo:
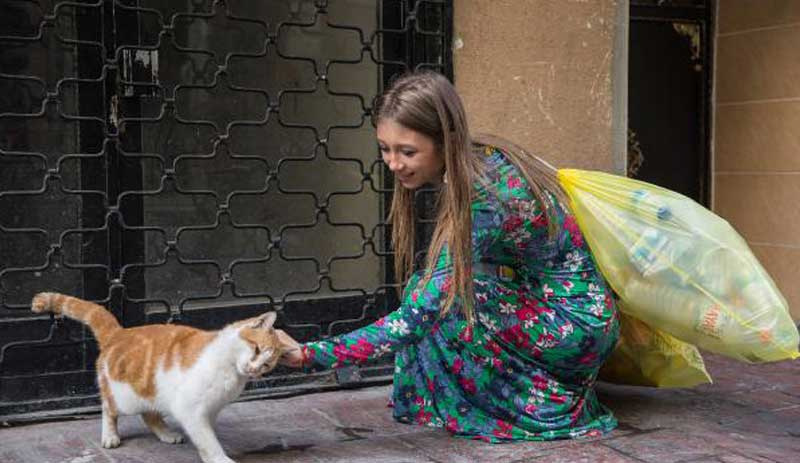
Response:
column 257, row 350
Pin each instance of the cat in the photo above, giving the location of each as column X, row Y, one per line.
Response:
column 184, row 372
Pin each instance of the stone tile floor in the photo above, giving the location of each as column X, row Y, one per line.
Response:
column 750, row 414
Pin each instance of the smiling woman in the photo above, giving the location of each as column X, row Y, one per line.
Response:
column 412, row 157
column 501, row 335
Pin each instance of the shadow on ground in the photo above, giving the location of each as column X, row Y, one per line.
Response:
column 750, row 414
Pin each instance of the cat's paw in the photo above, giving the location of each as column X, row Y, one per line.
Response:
column 171, row 438
column 111, row 442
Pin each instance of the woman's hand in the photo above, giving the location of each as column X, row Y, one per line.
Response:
column 292, row 351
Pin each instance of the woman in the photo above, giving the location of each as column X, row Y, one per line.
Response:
column 501, row 335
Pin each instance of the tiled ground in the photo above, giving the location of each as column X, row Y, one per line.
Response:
column 750, row 414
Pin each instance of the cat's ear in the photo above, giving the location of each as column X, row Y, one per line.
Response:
column 264, row 321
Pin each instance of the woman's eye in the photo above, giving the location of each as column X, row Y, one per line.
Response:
column 409, row 153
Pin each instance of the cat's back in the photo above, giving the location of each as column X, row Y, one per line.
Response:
column 135, row 355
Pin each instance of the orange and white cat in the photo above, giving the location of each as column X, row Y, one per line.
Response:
column 184, row 372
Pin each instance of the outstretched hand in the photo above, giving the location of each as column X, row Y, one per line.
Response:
column 292, row 355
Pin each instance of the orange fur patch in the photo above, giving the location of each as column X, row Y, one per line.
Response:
column 263, row 339
column 105, row 394
column 133, row 355
column 100, row 320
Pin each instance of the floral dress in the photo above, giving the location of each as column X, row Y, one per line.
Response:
column 545, row 322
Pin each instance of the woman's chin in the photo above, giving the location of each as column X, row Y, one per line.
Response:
column 410, row 183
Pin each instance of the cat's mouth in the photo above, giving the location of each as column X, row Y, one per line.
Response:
column 255, row 373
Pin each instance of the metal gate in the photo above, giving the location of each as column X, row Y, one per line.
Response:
column 198, row 162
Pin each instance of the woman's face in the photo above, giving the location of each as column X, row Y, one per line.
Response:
column 410, row 155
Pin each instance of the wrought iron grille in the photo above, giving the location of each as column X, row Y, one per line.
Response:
column 195, row 161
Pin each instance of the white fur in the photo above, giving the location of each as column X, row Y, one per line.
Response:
column 194, row 397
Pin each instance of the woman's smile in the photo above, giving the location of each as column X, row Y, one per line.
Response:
column 410, row 155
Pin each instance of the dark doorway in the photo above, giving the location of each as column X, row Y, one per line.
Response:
column 669, row 94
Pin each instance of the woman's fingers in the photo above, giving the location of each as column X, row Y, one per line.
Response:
column 292, row 351
column 286, row 340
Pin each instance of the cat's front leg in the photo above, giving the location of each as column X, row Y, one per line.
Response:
column 199, row 430
column 156, row 424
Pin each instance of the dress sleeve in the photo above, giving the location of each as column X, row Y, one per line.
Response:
column 416, row 316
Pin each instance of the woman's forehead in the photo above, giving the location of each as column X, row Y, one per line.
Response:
column 391, row 131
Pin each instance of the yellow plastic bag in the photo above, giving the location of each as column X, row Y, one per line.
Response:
column 680, row 268
column 645, row 356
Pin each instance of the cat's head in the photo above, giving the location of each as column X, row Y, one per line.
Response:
column 264, row 346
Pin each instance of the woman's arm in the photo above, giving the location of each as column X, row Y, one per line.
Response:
column 416, row 316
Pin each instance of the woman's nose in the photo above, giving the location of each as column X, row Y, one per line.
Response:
column 392, row 162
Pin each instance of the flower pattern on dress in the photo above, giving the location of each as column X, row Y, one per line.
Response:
column 527, row 367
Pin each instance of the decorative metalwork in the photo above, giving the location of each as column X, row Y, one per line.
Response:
column 692, row 32
column 635, row 155
column 195, row 162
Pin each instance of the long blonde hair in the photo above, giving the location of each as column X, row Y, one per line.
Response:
column 427, row 102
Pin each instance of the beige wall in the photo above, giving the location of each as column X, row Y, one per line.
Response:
column 548, row 74
column 757, row 132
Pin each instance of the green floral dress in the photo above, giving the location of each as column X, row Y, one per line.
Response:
column 546, row 321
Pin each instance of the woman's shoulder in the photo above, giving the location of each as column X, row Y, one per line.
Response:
column 494, row 159
column 500, row 177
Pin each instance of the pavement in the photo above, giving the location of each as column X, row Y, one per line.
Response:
column 750, row 414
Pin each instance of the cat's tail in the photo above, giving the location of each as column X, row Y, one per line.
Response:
column 101, row 321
